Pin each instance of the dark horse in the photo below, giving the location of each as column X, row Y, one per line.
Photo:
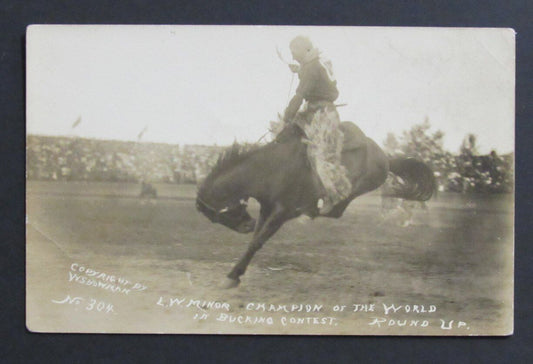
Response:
column 279, row 176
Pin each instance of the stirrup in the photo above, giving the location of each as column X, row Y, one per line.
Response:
column 324, row 207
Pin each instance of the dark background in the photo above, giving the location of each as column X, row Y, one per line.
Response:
column 18, row 345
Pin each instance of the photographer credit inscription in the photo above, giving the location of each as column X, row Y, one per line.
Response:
column 91, row 277
column 96, row 278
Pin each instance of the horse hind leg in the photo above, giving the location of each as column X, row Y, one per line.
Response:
column 339, row 208
column 364, row 184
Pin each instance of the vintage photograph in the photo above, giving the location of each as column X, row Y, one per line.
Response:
column 293, row 180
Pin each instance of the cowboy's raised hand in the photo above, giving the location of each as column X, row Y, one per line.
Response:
column 294, row 67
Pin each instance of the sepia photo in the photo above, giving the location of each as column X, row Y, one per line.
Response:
column 294, row 180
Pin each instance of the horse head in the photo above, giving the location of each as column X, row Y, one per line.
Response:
column 222, row 196
column 219, row 197
column 230, row 214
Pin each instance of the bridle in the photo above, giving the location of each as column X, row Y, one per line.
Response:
column 226, row 215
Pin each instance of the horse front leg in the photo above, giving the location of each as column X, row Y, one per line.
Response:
column 268, row 223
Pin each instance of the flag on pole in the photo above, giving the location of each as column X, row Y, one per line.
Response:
column 77, row 122
column 142, row 133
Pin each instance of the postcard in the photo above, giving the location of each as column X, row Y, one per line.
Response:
column 279, row 180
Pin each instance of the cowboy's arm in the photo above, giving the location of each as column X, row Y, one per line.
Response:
column 293, row 107
column 308, row 78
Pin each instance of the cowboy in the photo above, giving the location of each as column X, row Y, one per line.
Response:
column 319, row 120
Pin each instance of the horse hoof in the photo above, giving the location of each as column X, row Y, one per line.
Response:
column 230, row 283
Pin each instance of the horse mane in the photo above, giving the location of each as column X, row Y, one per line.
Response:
column 232, row 156
column 237, row 153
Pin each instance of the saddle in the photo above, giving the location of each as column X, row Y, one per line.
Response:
column 353, row 136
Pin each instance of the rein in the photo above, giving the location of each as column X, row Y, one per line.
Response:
column 205, row 204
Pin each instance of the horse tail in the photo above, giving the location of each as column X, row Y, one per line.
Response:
column 417, row 181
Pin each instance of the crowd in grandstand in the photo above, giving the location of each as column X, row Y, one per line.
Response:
column 64, row 158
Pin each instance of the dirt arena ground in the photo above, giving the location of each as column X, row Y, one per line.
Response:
column 101, row 260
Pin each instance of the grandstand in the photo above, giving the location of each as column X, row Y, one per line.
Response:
column 78, row 159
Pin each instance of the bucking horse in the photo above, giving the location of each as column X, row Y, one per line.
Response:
column 280, row 177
